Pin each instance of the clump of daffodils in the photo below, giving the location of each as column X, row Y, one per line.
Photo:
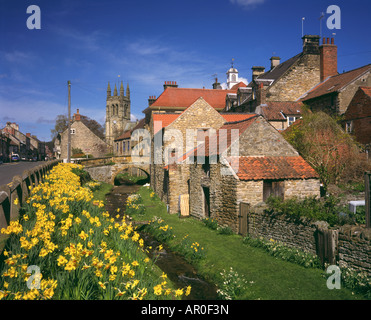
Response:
column 66, row 246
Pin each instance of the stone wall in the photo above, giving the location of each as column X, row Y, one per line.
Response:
column 281, row 228
column 261, row 139
column 353, row 242
column 355, row 248
column 302, row 188
column 301, row 77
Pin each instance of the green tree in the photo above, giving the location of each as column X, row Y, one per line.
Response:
column 323, row 143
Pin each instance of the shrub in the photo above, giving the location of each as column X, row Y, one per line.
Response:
column 278, row 249
column 210, row 223
column 326, row 209
column 192, row 251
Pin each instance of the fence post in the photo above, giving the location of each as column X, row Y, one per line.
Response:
column 367, row 199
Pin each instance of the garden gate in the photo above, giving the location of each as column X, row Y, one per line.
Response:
column 243, row 218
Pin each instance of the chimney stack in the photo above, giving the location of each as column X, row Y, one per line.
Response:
column 76, row 116
column 257, row 71
column 310, row 44
column 260, row 95
column 328, row 59
column 151, row 100
column 275, row 61
column 171, row 84
column 28, row 135
column 216, row 84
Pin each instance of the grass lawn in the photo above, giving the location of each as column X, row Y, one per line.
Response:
column 268, row 278
column 100, row 193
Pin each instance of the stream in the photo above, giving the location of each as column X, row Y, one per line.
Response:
column 178, row 270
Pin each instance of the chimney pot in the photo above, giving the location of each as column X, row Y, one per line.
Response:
column 332, row 40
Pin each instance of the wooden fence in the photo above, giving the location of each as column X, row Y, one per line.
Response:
column 14, row 194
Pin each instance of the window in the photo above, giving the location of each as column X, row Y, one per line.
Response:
column 290, row 120
column 73, row 131
column 273, row 188
column 128, row 145
column 123, row 146
column 349, row 126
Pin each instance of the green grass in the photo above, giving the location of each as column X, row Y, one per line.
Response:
column 268, row 278
column 100, row 193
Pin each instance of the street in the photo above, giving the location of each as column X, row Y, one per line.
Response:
column 9, row 170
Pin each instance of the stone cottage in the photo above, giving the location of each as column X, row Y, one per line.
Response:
column 175, row 134
column 265, row 164
column 335, row 92
column 81, row 137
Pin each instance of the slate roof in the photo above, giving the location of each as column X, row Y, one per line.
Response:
column 280, row 69
column 335, row 83
column 279, row 110
column 127, row 133
column 274, row 168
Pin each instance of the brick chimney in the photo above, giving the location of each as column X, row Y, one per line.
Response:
column 171, row 84
column 76, row 116
column 328, row 59
column 257, row 71
column 151, row 100
column 275, row 61
column 260, row 95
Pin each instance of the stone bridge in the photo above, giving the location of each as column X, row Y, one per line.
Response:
column 107, row 168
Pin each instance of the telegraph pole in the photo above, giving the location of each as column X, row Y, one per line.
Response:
column 69, row 123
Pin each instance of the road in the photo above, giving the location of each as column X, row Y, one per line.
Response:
column 9, row 170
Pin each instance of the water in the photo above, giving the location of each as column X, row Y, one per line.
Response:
column 177, row 269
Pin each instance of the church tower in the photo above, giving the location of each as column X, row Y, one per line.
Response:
column 232, row 76
column 117, row 112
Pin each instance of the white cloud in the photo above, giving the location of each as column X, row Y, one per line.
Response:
column 247, row 3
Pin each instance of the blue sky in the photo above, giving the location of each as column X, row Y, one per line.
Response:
column 145, row 43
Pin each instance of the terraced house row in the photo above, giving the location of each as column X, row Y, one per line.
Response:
column 235, row 153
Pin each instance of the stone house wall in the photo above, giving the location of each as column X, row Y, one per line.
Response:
column 261, row 139
column 200, row 115
column 346, row 95
column 84, row 139
column 303, row 75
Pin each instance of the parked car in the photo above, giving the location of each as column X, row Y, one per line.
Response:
column 15, row 157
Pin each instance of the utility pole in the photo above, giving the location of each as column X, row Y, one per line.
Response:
column 69, row 123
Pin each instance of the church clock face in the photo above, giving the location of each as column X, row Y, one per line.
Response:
column 114, row 121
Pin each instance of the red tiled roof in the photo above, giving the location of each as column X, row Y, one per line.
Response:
column 165, row 118
column 278, row 110
column 335, row 83
column 273, row 168
column 127, row 133
column 238, row 85
column 232, row 117
column 366, row 90
column 183, row 97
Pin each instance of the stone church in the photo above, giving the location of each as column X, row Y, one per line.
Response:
column 117, row 121
column 117, row 113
